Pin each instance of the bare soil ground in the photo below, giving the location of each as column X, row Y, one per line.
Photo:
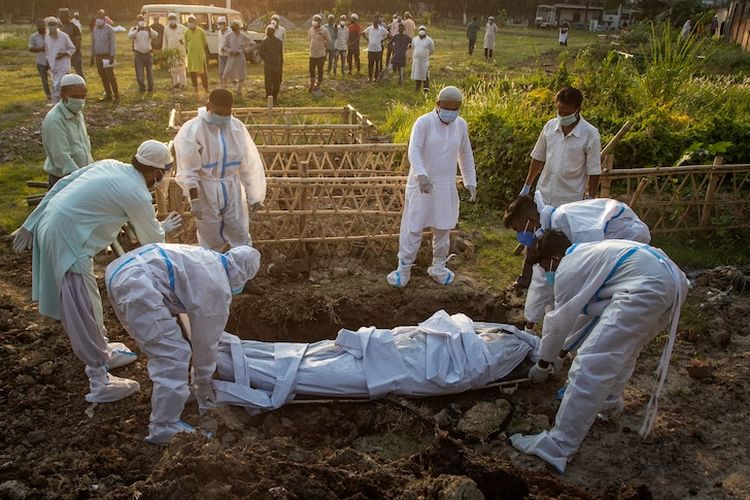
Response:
column 54, row 444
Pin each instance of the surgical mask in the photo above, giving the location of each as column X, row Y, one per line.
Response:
column 315, row 24
column 52, row 30
column 422, row 34
column 75, row 105
column 219, row 121
column 526, row 237
column 99, row 23
column 447, row 115
column 141, row 24
column 342, row 24
column 549, row 277
column 567, row 120
column 172, row 23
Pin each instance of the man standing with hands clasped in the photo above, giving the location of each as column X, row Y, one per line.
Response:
column 439, row 140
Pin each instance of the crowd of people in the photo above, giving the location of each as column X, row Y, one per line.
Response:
column 600, row 290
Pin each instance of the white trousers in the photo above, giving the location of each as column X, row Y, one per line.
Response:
column 225, row 218
column 159, row 336
column 79, row 304
column 410, row 241
column 179, row 76
column 57, row 77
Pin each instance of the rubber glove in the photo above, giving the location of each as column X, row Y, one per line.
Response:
column 425, row 186
column 252, row 208
column 196, row 207
column 172, row 223
column 525, row 190
column 22, row 240
column 537, row 374
column 205, row 395
column 473, row 192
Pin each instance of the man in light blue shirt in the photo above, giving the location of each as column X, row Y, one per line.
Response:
column 66, row 141
column 77, row 219
column 36, row 46
column 103, row 54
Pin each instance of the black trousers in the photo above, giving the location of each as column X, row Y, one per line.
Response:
column 272, row 76
column 472, row 43
column 374, row 64
column 108, row 77
column 316, row 65
column 352, row 55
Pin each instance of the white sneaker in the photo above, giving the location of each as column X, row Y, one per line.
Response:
column 441, row 274
column 106, row 388
column 119, row 355
column 400, row 277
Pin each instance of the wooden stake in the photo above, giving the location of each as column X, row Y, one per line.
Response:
column 713, row 184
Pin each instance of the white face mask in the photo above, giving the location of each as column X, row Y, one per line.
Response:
column 342, row 23
column 172, row 23
column 99, row 23
column 141, row 24
column 315, row 24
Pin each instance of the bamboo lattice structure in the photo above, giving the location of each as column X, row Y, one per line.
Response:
column 684, row 198
column 339, row 160
column 345, row 115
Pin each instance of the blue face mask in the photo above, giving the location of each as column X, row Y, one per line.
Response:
column 567, row 120
column 526, row 237
column 447, row 115
column 219, row 121
column 549, row 276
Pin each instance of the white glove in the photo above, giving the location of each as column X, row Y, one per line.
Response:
column 172, row 223
column 425, row 186
column 252, row 208
column 22, row 240
column 196, row 207
column 473, row 192
column 205, row 395
column 525, row 190
column 537, row 374
column 558, row 363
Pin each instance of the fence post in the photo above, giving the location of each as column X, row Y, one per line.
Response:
column 605, row 181
column 713, row 184
column 304, row 168
column 639, row 191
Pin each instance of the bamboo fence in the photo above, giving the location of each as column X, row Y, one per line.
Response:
column 685, row 198
column 344, row 115
column 336, row 160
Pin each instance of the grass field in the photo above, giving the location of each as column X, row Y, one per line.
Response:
column 117, row 130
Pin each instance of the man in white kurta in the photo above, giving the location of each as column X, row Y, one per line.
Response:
column 148, row 288
column 632, row 291
column 220, row 169
column 174, row 39
column 439, row 140
column 423, row 47
column 235, row 44
column 78, row 218
column 581, row 221
column 59, row 48
column 490, row 34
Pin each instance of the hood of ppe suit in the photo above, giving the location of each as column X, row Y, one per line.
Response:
column 243, row 263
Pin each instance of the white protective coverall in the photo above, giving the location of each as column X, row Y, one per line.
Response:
column 226, row 168
column 78, row 218
column 148, row 288
column 490, row 35
column 434, row 150
column 630, row 292
column 582, row 222
column 444, row 354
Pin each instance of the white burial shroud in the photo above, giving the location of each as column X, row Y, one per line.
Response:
column 443, row 355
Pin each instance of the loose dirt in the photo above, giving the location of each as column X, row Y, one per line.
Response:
column 56, row 445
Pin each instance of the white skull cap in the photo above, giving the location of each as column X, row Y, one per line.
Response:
column 450, row 93
column 222, row 19
column 172, row 15
column 72, row 79
column 422, row 28
column 50, row 20
column 153, row 154
column 242, row 264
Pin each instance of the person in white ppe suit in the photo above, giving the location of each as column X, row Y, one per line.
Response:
column 78, row 218
column 148, row 287
column 630, row 292
column 220, row 169
column 581, row 221
column 439, row 140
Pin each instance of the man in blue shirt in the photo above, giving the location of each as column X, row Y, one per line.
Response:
column 103, row 53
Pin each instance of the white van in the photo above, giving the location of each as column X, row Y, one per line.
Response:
column 207, row 18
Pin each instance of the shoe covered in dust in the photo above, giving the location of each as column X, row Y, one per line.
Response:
column 612, row 410
column 161, row 434
column 106, row 388
column 119, row 355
